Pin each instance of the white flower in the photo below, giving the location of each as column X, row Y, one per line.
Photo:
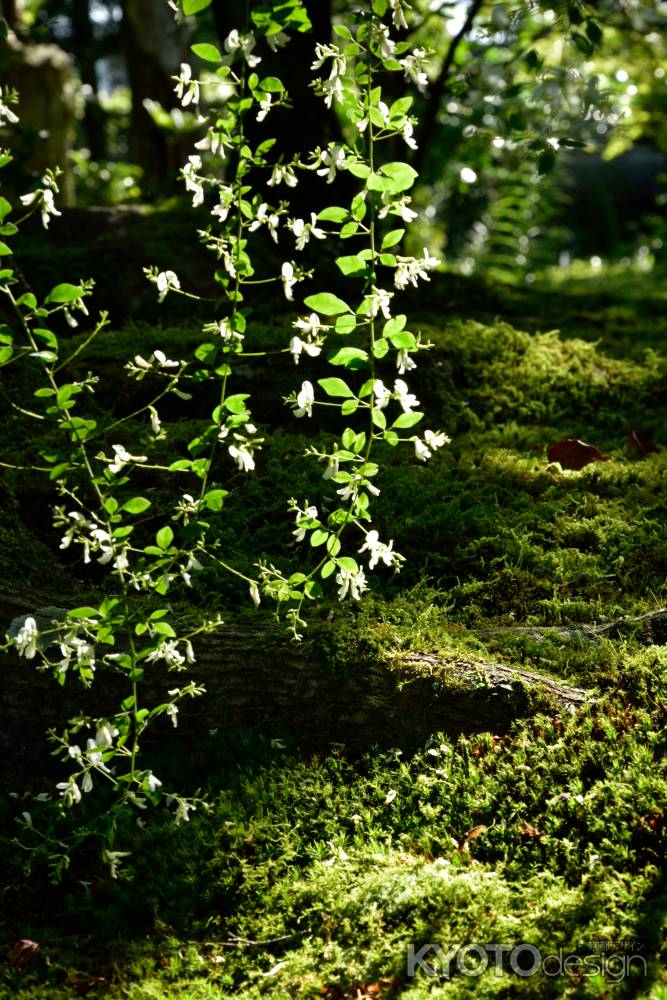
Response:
column 45, row 196
column 421, row 451
column 182, row 811
column 381, row 393
column 332, row 469
column 172, row 713
column 163, row 361
column 398, row 8
column 155, row 420
column 381, row 38
column 304, row 230
column 242, row 455
column 122, row 457
column 187, row 89
column 255, row 594
column 152, row 782
column 297, row 345
column 305, row 400
column 87, row 782
column 6, row 113
column 166, row 281
column 410, row 269
column 399, row 207
column 288, row 280
column 379, row 551
column 436, row 440
column 404, row 396
column 379, row 302
column 266, row 217
column 167, row 650
column 193, row 183
column 413, row 67
column 352, row 582
column 310, row 513
column 264, row 108
column 333, row 159
column 236, row 42
column 26, row 638
column 70, row 791
column 283, row 174
column 404, row 362
column 408, row 133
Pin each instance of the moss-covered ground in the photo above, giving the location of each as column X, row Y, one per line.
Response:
column 312, row 873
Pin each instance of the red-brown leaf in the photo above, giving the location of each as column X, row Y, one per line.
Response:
column 531, row 831
column 24, row 951
column 640, row 443
column 574, row 454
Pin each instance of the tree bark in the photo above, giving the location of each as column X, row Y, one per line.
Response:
column 255, row 678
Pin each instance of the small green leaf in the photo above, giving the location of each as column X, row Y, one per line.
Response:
column 392, row 238
column 402, row 175
column 335, row 387
column 164, row 537
column 328, row 568
column 345, row 324
column 351, row 265
column 318, row 537
column 194, row 6
column 214, row 498
column 349, row 357
column 5, row 208
column 62, row 294
column 407, row 420
column 236, row 404
column 83, row 612
column 333, row 214
column 327, row 304
column 137, row 505
column 207, row 52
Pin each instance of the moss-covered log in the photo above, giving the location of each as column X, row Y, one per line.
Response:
column 255, row 677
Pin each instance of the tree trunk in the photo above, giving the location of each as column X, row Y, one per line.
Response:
column 84, row 43
column 254, row 677
column 155, row 46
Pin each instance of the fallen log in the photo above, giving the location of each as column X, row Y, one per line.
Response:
column 256, row 678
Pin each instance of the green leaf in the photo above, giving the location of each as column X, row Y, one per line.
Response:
column 402, row 175
column 391, row 438
column 5, row 250
column 271, row 85
column 358, row 206
column 404, row 341
column 345, row 324
column 328, row 568
column 348, row 230
column 137, row 505
column 392, row 238
column 349, row 406
column 360, row 170
column 62, row 294
column 236, row 404
column 214, row 498
column 380, row 348
column 5, row 208
column 351, row 265
column 194, row 6
column 318, row 537
column 207, row 52
column 380, row 7
column 335, row 387
column 327, row 304
column 83, row 612
column 333, row 214
column 394, row 324
column 407, row 420
column 349, row 357
column 164, row 537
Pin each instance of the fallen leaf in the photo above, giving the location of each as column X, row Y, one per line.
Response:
column 531, row 831
column 640, row 444
column 571, row 453
column 23, row 952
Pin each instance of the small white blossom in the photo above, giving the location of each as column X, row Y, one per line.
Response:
column 122, row 457
column 288, row 280
column 45, row 197
column 264, row 108
column 310, row 513
column 305, row 400
column 379, row 551
column 242, row 455
column 187, row 89
column 166, row 281
column 193, row 183
column 304, row 230
column 6, row 113
column 155, row 420
column 406, row 399
column 413, row 67
column 26, row 639
column 404, row 362
column 297, row 346
column 283, row 174
column 352, row 582
column 333, row 159
column 70, row 791
column 379, row 302
column 381, row 393
column 235, row 42
column 172, row 713
column 398, row 9
column 268, row 218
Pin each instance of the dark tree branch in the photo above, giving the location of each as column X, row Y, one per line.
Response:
column 439, row 86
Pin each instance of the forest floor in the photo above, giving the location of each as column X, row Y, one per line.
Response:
column 314, row 872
